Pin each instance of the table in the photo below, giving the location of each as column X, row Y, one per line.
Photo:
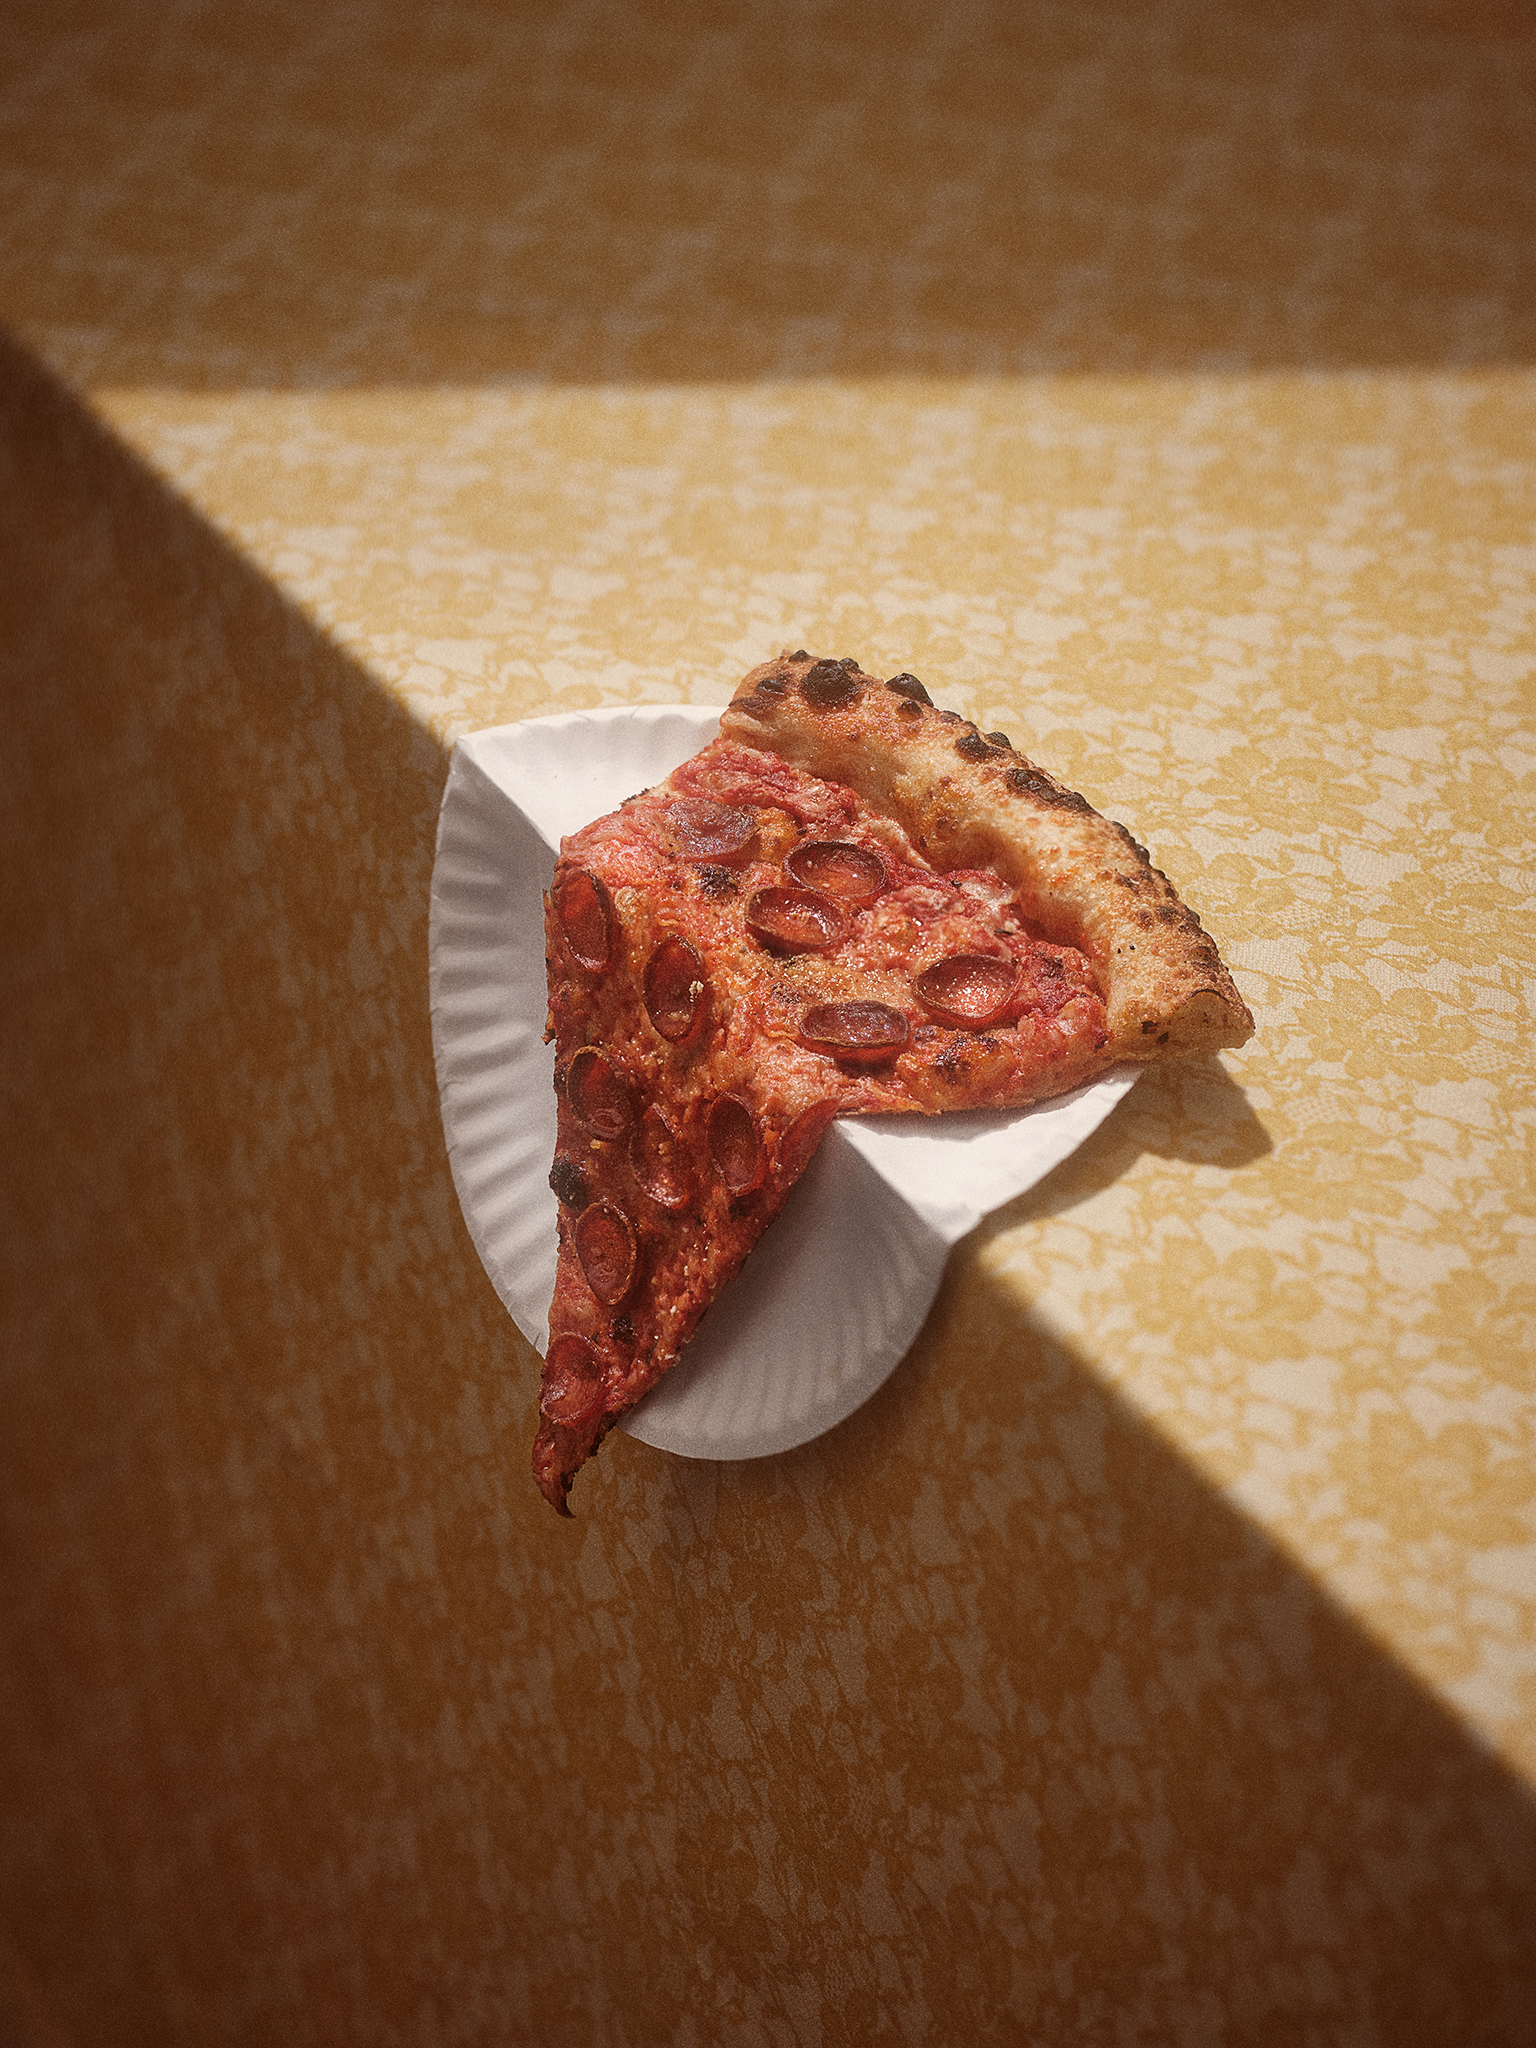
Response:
column 1155, row 1657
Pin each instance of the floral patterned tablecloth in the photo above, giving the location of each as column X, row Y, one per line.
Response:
column 1155, row 1657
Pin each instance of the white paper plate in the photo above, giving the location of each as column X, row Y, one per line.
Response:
column 838, row 1285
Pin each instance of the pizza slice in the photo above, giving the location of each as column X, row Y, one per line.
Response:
column 850, row 901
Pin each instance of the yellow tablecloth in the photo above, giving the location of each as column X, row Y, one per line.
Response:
column 1155, row 1658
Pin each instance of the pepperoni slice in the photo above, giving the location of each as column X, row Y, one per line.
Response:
column 795, row 920
column 599, row 1097
column 853, row 874
column 861, row 1032
column 585, row 913
column 605, row 1245
column 701, row 830
column 676, row 988
column 659, row 1163
column 968, row 990
column 798, row 1145
column 735, row 1145
column 572, row 1392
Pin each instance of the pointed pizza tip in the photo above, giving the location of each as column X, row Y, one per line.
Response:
column 548, row 1476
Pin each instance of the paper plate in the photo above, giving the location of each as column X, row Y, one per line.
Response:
column 838, row 1285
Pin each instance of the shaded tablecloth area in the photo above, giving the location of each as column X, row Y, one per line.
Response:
column 1154, row 1658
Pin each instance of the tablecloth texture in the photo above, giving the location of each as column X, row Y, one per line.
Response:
column 1154, row 1660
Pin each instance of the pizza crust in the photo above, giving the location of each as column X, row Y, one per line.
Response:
column 967, row 799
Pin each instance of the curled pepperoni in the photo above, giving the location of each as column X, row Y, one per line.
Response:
column 853, row 874
column 969, row 990
column 676, row 988
column 735, row 1145
column 659, row 1163
column 599, row 1097
column 605, row 1245
column 701, row 830
column 861, row 1032
column 585, row 913
column 572, row 1393
column 798, row 1145
column 795, row 920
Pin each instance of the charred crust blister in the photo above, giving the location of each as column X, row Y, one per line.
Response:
column 1047, row 792
column 972, row 747
column 910, row 688
column 830, row 684
column 568, row 1182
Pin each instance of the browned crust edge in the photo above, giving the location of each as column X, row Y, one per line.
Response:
column 968, row 799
